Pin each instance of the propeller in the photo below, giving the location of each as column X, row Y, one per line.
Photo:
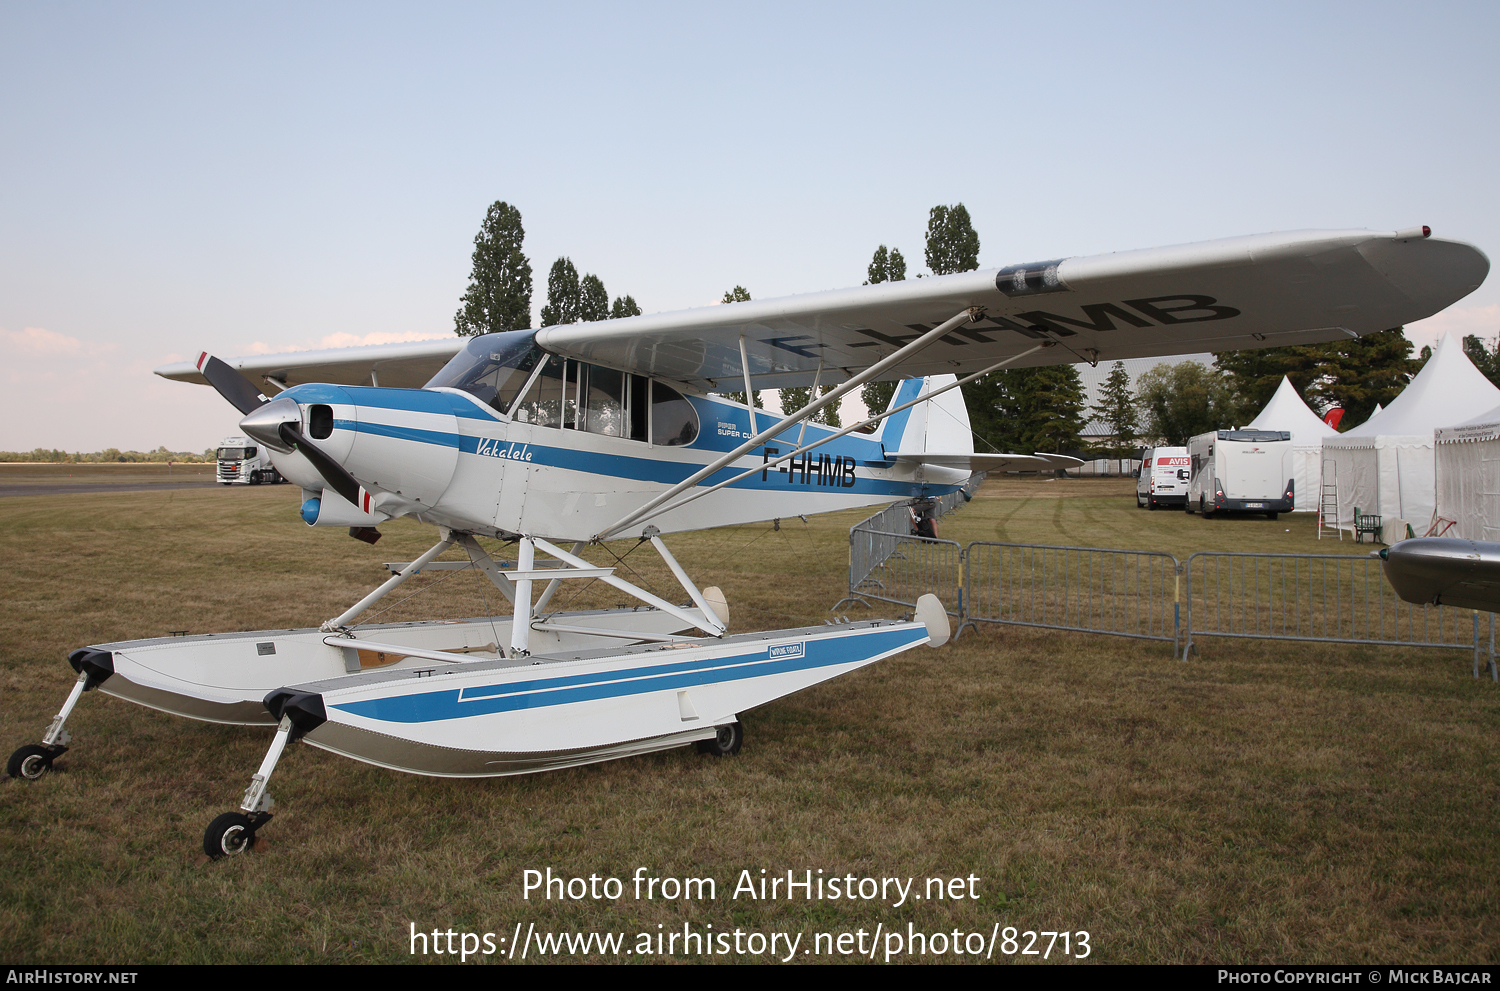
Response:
column 233, row 386
column 276, row 423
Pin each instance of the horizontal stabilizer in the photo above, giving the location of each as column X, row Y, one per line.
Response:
column 989, row 462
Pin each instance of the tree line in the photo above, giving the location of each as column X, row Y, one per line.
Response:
column 1014, row 409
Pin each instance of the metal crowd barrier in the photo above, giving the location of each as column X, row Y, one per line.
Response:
column 888, row 563
column 1125, row 593
column 1150, row 595
column 1334, row 598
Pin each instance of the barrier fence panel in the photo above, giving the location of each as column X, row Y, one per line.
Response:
column 913, row 566
column 873, row 540
column 1325, row 597
column 1126, row 593
column 1336, row 598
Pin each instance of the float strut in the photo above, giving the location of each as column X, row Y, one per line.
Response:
column 339, row 622
column 520, row 624
column 56, row 735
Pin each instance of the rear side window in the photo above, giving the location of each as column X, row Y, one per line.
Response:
column 674, row 422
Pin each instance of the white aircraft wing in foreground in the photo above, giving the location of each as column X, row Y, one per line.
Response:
column 1263, row 290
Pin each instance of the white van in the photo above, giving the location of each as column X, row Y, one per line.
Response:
column 1163, row 478
column 1241, row 471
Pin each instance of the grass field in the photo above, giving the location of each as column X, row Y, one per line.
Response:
column 1263, row 802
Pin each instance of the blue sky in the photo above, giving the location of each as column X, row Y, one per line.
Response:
column 238, row 178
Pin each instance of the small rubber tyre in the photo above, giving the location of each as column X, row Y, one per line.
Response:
column 229, row 835
column 1271, row 515
column 1139, row 502
column 1151, row 504
column 726, row 743
column 30, row 762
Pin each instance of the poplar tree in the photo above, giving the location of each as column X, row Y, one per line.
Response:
column 562, row 294
column 887, row 266
column 593, row 301
column 499, row 293
column 952, row 244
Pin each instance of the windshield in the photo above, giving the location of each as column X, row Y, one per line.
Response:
column 491, row 368
column 236, row 453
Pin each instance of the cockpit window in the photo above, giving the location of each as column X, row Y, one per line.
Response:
column 492, row 368
column 572, row 395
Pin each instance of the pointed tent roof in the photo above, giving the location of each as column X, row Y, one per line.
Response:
column 1287, row 411
column 1448, row 390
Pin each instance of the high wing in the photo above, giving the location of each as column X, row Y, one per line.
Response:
column 1264, row 290
column 409, row 365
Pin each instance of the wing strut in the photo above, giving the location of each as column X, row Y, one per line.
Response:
column 698, row 494
column 901, row 354
column 749, row 394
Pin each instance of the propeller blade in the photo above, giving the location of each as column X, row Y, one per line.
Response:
column 333, row 473
column 240, row 391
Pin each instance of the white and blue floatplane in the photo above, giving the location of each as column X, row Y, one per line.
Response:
column 554, row 439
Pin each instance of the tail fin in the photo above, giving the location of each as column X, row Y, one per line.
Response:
column 941, row 424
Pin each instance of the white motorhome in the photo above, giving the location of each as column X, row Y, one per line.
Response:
column 243, row 461
column 1241, row 471
column 1163, row 478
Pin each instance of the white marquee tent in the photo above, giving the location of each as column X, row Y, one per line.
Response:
column 1386, row 465
column 1468, row 477
column 1304, row 463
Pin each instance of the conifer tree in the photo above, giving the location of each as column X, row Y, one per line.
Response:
column 1117, row 408
column 1360, row 374
column 1487, row 360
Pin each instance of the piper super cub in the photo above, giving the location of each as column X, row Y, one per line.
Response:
column 556, row 438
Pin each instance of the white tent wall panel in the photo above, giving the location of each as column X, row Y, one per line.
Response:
column 1389, row 476
column 1468, row 487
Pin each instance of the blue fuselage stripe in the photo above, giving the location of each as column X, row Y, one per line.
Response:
column 507, row 697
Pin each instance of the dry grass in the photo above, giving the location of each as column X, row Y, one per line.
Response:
column 1265, row 802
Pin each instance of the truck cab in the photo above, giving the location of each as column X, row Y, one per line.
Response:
column 243, row 462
